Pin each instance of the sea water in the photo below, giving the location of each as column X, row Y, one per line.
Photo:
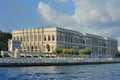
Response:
column 71, row 72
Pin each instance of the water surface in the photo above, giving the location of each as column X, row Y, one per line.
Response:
column 73, row 72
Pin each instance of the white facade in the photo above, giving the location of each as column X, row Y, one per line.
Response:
column 40, row 39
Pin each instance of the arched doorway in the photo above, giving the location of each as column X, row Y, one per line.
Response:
column 32, row 48
column 48, row 47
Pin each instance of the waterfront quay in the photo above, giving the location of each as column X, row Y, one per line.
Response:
column 6, row 62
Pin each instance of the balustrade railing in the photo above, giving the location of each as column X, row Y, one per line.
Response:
column 57, row 60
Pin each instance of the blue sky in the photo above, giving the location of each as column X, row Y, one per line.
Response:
column 100, row 17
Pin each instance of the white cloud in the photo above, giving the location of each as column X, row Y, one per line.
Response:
column 104, row 19
column 51, row 16
column 92, row 16
column 114, row 13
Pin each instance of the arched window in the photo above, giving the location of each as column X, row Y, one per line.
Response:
column 31, row 48
column 44, row 38
column 83, row 42
column 17, row 38
column 36, row 48
column 20, row 38
column 48, row 47
column 48, row 38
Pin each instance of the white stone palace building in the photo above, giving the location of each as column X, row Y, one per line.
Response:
column 39, row 39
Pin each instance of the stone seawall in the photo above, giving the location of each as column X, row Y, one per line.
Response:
column 11, row 62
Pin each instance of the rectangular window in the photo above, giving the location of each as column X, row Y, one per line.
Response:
column 53, row 38
column 13, row 38
column 31, row 38
column 35, row 37
column 24, row 38
column 57, row 37
column 28, row 38
column 39, row 38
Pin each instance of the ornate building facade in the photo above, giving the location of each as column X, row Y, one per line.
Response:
column 49, row 38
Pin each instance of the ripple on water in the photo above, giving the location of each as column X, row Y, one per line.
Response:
column 62, row 73
column 46, row 74
column 40, row 74
column 25, row 74
column 47, row 78
column 79, row 72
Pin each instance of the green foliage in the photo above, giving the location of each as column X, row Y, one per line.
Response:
column 1, row 55
column 82, row 51
column 6, row 55
column 65, row 51
column 76, row 52
column 57, row 51
column 117, row 55
column 86, row 51
column 53, row 52
column 3, row 40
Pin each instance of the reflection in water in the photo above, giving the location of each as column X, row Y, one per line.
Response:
column 73, row 72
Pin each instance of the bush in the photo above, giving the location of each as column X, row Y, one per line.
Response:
column 86, row 51
column 82, row 51
column 54, row 52
column 65, row 51
column 117, row 55
column 76, row 52
column 4, row 36
column 57, row 51
column 6, row 55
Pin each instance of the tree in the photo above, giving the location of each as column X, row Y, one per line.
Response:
column 117, row 54
column 86, row 51
column 82, row 51
column 65, row 51
column 4, row 36
column 53, row 51
column 58, row 50
column 76, row 52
